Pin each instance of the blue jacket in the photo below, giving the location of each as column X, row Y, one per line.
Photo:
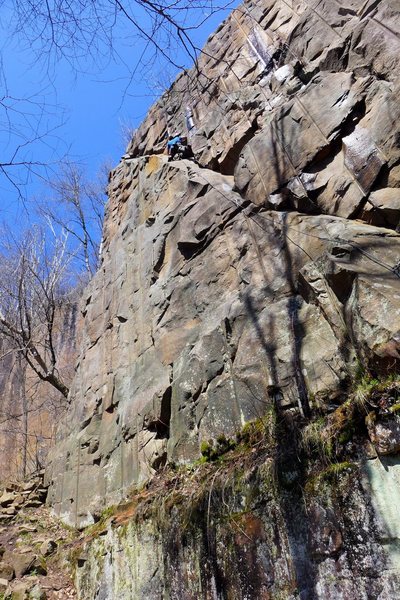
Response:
column 174, row 141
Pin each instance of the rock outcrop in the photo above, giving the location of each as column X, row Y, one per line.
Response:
column 266, row 274
column 202, row 304
column 237, row 536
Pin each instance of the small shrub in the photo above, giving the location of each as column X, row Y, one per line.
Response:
column 347, row 434
column 224, row 444
column 363, row 391
column 316, row 438
column 329, row 476
column 211, row 452
column 262, row 429
column 208, row 451
column 333, row 472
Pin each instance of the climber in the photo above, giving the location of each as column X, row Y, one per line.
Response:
column 178, row 148
column 172, row 145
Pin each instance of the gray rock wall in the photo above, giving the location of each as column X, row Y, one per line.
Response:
column 204, row 313
column 220, row 293
column 265, row 274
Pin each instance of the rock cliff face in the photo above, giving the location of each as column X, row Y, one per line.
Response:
column 242, row 539
column 267, row 274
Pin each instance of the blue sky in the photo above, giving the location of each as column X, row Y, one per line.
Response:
column 85, row 109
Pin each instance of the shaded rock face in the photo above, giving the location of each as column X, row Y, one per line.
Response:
column 262, row 274
column 247, row 538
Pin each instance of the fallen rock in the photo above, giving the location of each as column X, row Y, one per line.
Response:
column 3, row 585
column 11, row 486
column 28, row 486
column 4, row 519
column 7, row 498
column 39, row 566
column 37, row 593
column 26, row 528
column 25, row 591
column 385, row 435
column 19, row 500
column 48, row 547
column 21, row 563
column 41, row 494
column 23, row 549
column 33, row 503
column 6, row 571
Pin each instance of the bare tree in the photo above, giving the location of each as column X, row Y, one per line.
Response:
column 29, row 411
column 28, row 127
column 33, row 284
column 127, row 132
column 76, row 207
column 76, row 29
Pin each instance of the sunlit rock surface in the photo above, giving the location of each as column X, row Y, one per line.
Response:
column 265, row 274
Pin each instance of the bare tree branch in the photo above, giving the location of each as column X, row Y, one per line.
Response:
column 76, row 206
column 31, row 282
